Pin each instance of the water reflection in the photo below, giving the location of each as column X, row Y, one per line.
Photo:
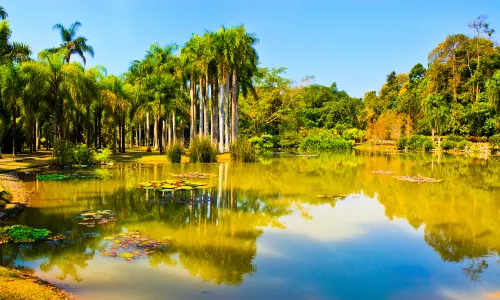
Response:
column 219, row 240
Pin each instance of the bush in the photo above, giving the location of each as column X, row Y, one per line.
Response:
column 324, row 141
column 81, row 154
column 477, row 139
column 202, row 150
column 353, row 134
column 402, row 143
column 2, row 204
column 495, row 142
column 101, row 155
column 174, row 152
column 292, row 139
column 448, row 145
column 263, row 142
column 455, row 138
column 64, row 153
column 243, row 150
column 417, row 142
column 428, row 145
column 463, row 145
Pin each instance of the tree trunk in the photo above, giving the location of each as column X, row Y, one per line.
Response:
column 37, row 135
column 234, row 109
column 173, row 126
column 201, row 130
column 14, row 152
column 96, row 131
column 193, row 110
column 168, row 126
column 148, row 132
column 139, row 141
column 205, row 105
column 433, row 134
column 160, row 137
column 114, row 133
column 221, row 118
column 215, row 111
column 123, row 133
column 155, row 133
column 88, row 126
column 226, row 116
column 76, row 127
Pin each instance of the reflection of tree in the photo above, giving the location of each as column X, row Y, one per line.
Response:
column 475, row 269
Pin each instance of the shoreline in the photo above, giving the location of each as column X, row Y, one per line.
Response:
column 16, row 284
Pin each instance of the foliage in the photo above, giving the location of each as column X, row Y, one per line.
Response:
column 417, row 142
column 428, row 145
column 23, row 234
column 402, row 143
column 81, row 154
column 324, row 141
column 463, row 145
column 263, row 142
column 50, row 177
column 174, row 152
column 64, row 155
column 101, row 155
column 202, row 150
column 494, row 142
column 448, row 145
column 242, row 150
column 2, row 204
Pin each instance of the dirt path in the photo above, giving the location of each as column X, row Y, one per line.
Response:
column 11, row 183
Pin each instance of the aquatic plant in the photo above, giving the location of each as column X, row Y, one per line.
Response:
column 418, row 179
column 193, row 175
column 131, row 245
column 81, row 154
column 382, row 172
column 91, row 218
column 174, row 152
column 170, row 185
column 22, row 234
column 52, row 177
column 202, row 150
column 242, row 150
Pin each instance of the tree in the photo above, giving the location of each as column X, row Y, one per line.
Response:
column 72, row 43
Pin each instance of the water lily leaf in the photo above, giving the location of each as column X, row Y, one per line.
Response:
column 187, row 188
column 126, row 255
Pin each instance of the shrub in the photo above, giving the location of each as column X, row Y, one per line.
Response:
column 64, row 153
column 416, row 142
column 448, row 145
column 292, row 139
column 81, row 154
column 174, row 152
column 353, row 134
column 477, row 139
column 101, row 155
column 263, row 142
column 428, row 145
column 324, row 141
column 2, row 204
column 202, row 150
column 243, row 150
column 455, row 138
column 495, row 142
column 402, row 143
column 463, row 145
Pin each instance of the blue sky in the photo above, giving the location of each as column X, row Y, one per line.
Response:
column 355, row 43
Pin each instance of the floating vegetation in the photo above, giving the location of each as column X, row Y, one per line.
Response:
column 131, row 245
column 22, row 234
column 171, row 185
column 332, row 197
column 419, row 179
column 52, row 177
column 58, row 237
column 98, row 174
column 91, row 218
column 383, row 172
column 196, row 175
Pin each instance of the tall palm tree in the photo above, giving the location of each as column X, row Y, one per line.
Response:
column 3, row 13
column 73, row 43
column 11, row 51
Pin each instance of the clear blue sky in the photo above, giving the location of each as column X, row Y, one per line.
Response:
column 355, row 43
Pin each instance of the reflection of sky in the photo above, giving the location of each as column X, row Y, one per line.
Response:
column 351, row 251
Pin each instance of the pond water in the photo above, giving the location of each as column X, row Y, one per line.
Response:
column 263, row 232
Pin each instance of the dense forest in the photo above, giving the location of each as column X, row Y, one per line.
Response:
column 214, row 86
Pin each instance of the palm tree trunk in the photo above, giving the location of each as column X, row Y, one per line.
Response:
column 168, row 126
column 226, row 116
column 114, row 133
column 193, row 110
column 160, row 137
column 37, row 135
column 88, row 126
column 221, row 118
column 76, row 127
column 205, row 105
column 215, row 111
column 234, row 109
column 139, row 135
column 155, row 133
column 173, row 126
column 148, row 132
column 201, row 130
column 14, row 152
column 123, row 133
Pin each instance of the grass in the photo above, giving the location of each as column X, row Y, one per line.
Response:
column 16, row 285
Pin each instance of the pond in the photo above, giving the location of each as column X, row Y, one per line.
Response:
column 284, row 228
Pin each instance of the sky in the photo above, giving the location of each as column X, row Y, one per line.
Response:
column 354, row 43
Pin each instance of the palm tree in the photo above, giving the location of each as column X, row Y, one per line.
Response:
column 11, row 90
column 74, row 44
column 3, row 13
column 11, row 51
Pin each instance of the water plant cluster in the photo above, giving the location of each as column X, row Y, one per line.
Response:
column 97, row 174
column 131, row 245
column 91, row 218
column 22, row 234
column 172, row 185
